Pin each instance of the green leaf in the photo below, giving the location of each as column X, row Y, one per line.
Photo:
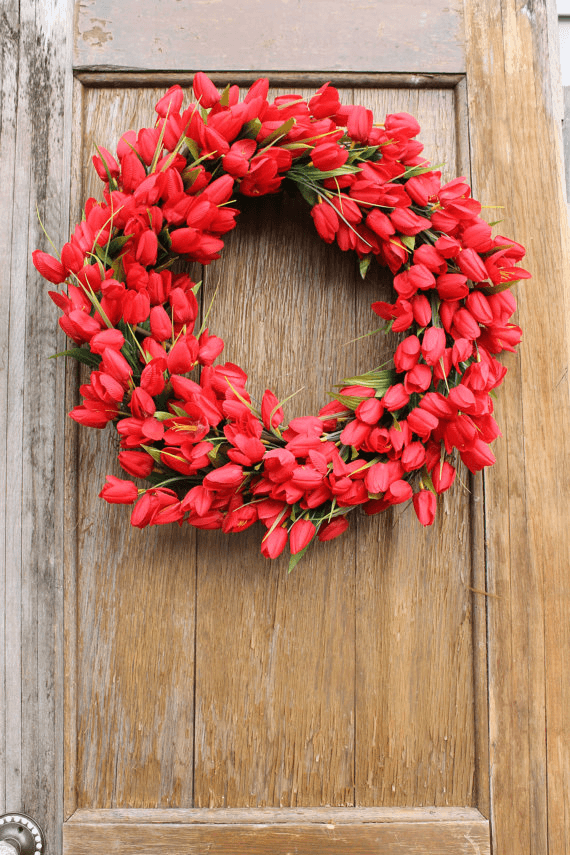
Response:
column 195, row 152
column 379, row 378
column 117, row 244
column 225, row 97
column 154, row 452
column 251, row 129
column 294, row 560
column 503, row 286
column 364, row 264
column 362, row 153
column 409, row 241
column 427, row 482
column 308, row 171
column 101, row 253
column 293, row 146
column 81, row 354
column 421, row 170
column 351, row 402
column 164, row 238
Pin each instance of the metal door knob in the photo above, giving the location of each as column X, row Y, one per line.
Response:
column 20, row 835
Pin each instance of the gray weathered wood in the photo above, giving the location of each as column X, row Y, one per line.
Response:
column 386, row 35
column 34, row 170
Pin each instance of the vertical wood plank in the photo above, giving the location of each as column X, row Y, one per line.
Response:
column 514, row 128
column 35, row 134
column 415, row 693
column 135, row 591
column 275, row 653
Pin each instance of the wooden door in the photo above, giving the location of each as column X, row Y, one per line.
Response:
column 391, row 694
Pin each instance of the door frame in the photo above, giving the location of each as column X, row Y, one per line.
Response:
column 514, row 114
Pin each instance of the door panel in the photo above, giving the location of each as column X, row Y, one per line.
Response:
column 208, row 677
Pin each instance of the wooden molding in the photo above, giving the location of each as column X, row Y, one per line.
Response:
column 328, row 831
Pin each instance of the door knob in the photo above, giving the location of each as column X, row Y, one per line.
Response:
column 20, row 835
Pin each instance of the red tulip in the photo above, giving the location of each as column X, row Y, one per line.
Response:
column 425, row 505
column 274, row 542
column 119, row 492
column 333, row 528
column 300, row 535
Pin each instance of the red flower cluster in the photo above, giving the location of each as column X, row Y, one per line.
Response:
column 211, row 458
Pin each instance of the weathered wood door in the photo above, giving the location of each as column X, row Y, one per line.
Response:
column 391, row 694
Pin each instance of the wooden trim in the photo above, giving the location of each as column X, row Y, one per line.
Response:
column 70, row 550
column 118, row 78
column 516, row 159
column 275, row 816
column 330, row 831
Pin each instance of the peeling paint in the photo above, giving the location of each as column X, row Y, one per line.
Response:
column 97, row 35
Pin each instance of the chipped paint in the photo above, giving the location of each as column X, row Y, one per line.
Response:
column 97, row 35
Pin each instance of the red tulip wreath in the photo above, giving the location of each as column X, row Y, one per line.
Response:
column 210, row 456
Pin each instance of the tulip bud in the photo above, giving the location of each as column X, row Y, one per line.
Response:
column 119, row 492
column 274, row 542
column 300, row 535
column 425, row 505
column 204, row 90
column 333, row 528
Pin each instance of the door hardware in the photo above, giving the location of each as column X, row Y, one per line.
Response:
column 20, row 835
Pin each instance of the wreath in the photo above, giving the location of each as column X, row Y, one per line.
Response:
column 209, row 455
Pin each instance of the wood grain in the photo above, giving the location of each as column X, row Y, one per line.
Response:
column 381, row 36
column 275, row 653
column 415, row 682
column 330, row 832
column 134, row 595
column 35, row 106
column 514, row 128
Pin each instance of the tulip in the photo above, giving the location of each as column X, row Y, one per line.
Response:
column 112, row 338
column 170, row 102
column 425, row 505
column 136, row 463
column 49, row 267
column 329, row 155
column 396, row 397
column 227, row 477
column 271, row 413
column 477, row 455
column 300, row 535
column 471, row 265
column 413, row 456
column 407, row 353
column 325, row 102
column 333, row 528
column 326, row 221
column 452, row 286
column 274, row 542
column 442, row 476
column 359, row 123
column 418, row 379
column 433, row 345
column 119, row 492
column 204, row 90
